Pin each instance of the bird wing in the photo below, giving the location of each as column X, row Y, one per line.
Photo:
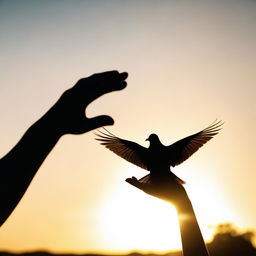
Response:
column 184, row 148
column 126, row 149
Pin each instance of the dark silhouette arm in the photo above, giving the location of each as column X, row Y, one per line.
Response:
column 67, row 116
column 173, row 192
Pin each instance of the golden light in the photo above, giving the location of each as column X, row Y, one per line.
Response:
column 133, row 220
column 210, row 207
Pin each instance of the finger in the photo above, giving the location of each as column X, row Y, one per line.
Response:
column 134, row 182
column 147, row 188
column 111, row 75
column 98, row 121
column 101, row 83
column 111, row 81
column 123, row 75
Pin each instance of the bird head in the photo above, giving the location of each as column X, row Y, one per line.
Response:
column 152, row 138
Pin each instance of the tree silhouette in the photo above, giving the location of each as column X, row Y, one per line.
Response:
column 229, row 241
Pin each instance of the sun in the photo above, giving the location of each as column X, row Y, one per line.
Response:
column 210, row 207
column 132, row 220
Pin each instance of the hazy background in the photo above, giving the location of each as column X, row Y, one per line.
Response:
column 189, row 62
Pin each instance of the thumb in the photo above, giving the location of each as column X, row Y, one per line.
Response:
column 134, row 182
column 99, row 121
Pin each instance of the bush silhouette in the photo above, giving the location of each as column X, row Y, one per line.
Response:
column 229, row 241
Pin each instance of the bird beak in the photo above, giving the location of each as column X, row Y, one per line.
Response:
column 146, row 139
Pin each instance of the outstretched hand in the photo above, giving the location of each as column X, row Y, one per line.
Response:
column 19, row 166
column 168, row 190
column 68, row 114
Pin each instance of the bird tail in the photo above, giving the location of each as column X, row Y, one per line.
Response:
column 148, row 179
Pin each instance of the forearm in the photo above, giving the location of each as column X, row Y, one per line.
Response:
column 20, row 165
column 67, row 116
column 174, row 193
column 191, row 237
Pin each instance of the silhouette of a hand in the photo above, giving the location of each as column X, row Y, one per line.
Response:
column 19, row 166
column 172, row 191
column 68, row 114
column 169, row 190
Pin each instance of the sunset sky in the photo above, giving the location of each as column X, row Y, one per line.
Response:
column 189, row 62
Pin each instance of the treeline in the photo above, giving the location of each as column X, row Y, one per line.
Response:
column 227, row 241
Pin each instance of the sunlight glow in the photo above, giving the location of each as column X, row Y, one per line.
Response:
column 207, row 200
column 132, row 220
column 189, row 62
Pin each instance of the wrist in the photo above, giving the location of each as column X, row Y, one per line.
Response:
column 185, row 207
column 46, row 128
column 182, row 203
column 50, row 123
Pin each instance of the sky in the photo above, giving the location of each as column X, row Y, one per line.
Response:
column 189, row 62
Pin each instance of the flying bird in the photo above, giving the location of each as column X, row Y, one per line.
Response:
column 158, row 158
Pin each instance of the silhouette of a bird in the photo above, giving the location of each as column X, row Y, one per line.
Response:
column 157, row 158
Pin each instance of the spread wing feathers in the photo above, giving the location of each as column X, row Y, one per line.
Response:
column 183, row 149
column 126, row 149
